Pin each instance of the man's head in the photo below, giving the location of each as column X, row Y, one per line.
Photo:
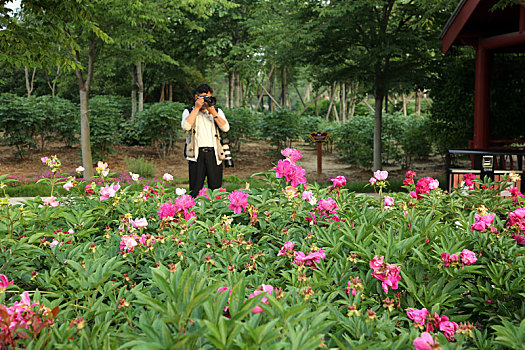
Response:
column 203, row 89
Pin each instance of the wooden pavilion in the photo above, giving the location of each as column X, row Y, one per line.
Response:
column 475, row 23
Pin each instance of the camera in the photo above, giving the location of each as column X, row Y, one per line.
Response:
column 210, row 100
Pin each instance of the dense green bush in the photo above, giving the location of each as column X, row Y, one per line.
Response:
column 281, row 127
column 244, row 123
column 30, row 121
column 159, row 125
column 105, row 118
column 403, row 139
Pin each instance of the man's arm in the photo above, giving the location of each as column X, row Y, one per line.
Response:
column 219, row 118
column 189, row 121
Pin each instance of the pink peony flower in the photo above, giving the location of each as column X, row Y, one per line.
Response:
column 167, row 177
column 68, row 185
column 89, row 190
column 418, row 316
column 376, row 262
column 284, row 168
column 372, row 180
column 468, row 257
column 448, row 328
column 413, row 194
column 266, row 288
column 389, row 201
column 203, row 192
column 80, row 169
column 128, row 243
column 51, row 201
column 328, row 205
column 4, row 282
column 238, row 201
column 139, row 223
column 109, row 191
column 292, row 154
column 520, row 239
column 167, row 209
column 296, row 177
column 433, row 184
column 469, row 179
column 339, row 181
column 287, row 247
column 482, row 222
column 387, row 273
column 424, row 342
column 307, row 195
column 184, row 202
column 381, row 175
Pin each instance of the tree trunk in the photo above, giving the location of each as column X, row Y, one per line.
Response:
column 133, row 90
column 271, row 92
column 284, row 88
column 140, row 84
column 378, row 119
column 84, row 87
column 404, row 104
column 29, row 83
column 52, row 85
column 343, row 103
column 307, row 93
column 231, row 84
column 161, row 93
column 332, row 95
column 237, row 94
column 85, row 139
column 171, row 93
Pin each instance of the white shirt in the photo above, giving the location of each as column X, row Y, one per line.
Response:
column 204, row 131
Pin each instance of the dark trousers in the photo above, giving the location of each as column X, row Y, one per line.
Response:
column 205, row 166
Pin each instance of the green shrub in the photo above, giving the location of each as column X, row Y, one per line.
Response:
column 105, row 115
column 244, row 123
column 281, row 127
column 18, row 123
column 158, row 125
column 141, row 166
column 60, row 120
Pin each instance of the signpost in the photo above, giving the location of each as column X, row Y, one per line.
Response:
column 319, row 137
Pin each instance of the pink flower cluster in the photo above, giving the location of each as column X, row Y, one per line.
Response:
column 339, row 181
column 287, row 249
column 51, row 201
column 204, row 192
column 4, row 283
column 483, row 222
column 265, row 288
column 387, row 273
column 309, row 260
column 517, row 220
column 469, row 180
column 129, row 242
column 424, row 185
column 181, row 208
column 286, row 167
column 326, row 210
column 109, row 191
column 238, row 201
column 468, row 257
column 515, row 194
column 378, row 176
column 409, row 178
column 439, row 322
column 425, row 342
column 27, row 315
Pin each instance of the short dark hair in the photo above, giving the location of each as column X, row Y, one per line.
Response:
column 202, row 89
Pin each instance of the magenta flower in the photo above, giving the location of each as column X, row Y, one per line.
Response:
column 389, row 201
column 339, row 181
column 292, row 154
column 184, row 202
column 372, row 180
column 296, row 177
column 413, row 194
column 238, row 201
column 203, row 192
column 376, row 262
column 387, row 273
column 284, row 168
column 433, row 184
column 418, row 316
column 328, row 205
column 287, row 247
column 468, row 257
column 307, row 195
column 424, row 342
column 520, row 239
column 4, row 282
column 381, row 175
column 482, row 222
column 448, row 328
column 167, row 209
column 109, row 191
column 266, row 288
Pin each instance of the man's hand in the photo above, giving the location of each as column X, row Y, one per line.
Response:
column 211, row 110
column 199, row 103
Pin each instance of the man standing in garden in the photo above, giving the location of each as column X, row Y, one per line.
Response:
column 203, row 148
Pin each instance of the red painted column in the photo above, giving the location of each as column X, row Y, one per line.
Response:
column 481, row 98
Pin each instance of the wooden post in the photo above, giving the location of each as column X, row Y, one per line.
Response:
column 481, row 99
column 319, row 159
